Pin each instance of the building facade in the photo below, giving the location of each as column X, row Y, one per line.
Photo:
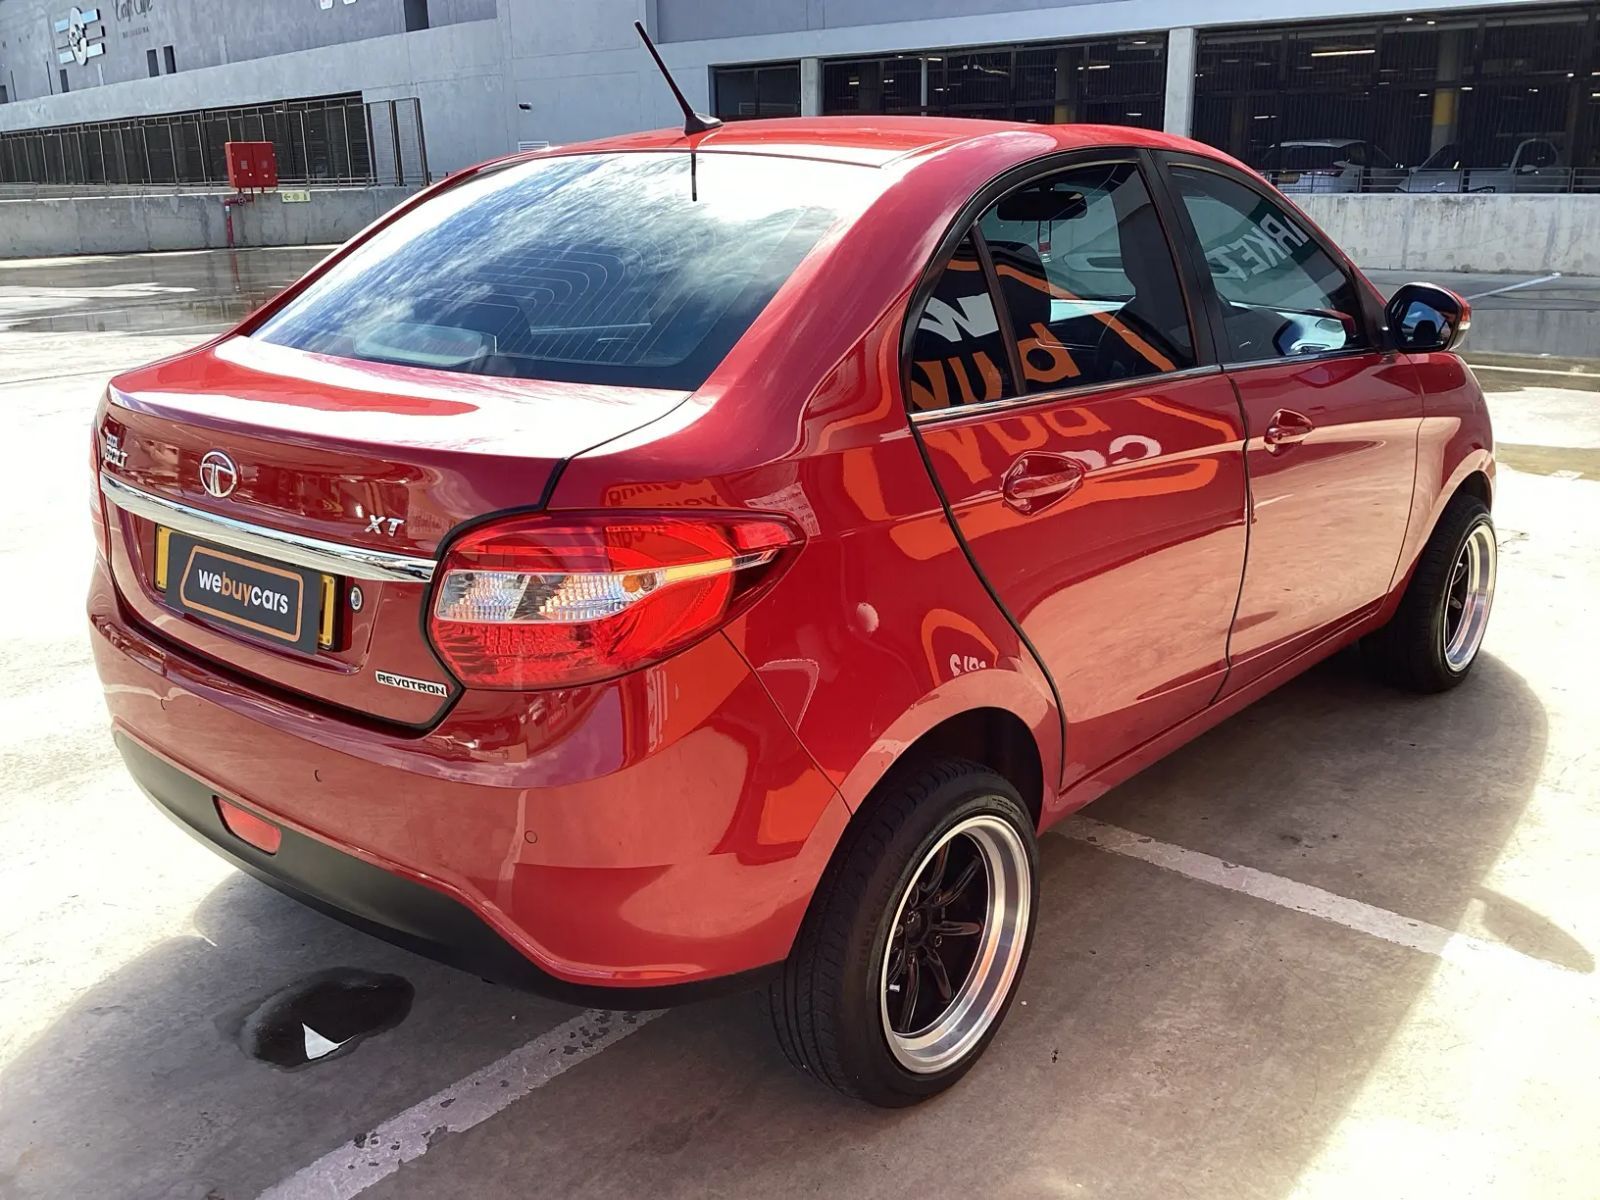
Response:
column 1479, row 95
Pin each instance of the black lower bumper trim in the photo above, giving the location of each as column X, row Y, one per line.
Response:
column 396, row 909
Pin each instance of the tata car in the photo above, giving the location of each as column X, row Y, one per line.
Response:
column 678, row 564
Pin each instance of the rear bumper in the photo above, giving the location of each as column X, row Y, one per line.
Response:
column 384, row 904
column 618, row 845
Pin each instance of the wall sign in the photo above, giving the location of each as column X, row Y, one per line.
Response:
column 80, row 36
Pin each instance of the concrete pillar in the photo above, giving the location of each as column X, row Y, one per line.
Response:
column 810, row 87
column 1181, row 51
column 1447, row 96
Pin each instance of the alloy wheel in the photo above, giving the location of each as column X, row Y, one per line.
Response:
column 956, row 943
column 1468, row 598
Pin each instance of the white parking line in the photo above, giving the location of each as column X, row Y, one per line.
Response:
column 1517, row 287
column 356, row 1166
column 1303, row 897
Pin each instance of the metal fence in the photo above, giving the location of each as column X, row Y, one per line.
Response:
column 1425, row 181
column 327, row 140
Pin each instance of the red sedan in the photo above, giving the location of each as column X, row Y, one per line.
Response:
column 680, row 563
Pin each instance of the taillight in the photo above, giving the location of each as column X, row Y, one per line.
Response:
column 97, row 500
column 553, row 600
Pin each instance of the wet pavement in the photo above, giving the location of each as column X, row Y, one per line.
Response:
column 1348, row 950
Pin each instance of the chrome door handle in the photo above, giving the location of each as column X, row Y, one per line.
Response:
column 1036, row 481
column 1287, row 428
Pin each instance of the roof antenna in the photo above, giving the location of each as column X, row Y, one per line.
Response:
column 693, row 122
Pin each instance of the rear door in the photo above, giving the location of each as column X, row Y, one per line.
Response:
column 1332, row 416
column 1089, row 449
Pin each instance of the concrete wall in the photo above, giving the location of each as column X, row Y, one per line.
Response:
column 190, row 221
column 1522, row 234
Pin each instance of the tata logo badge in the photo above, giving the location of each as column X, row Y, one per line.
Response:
column 218, row 475
column 80, row 36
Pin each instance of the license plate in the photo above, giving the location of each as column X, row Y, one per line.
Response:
column 283, row 604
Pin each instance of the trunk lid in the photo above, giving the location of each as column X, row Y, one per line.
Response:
column 363, row 456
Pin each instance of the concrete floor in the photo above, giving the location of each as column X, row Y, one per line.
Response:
column 1351, row 950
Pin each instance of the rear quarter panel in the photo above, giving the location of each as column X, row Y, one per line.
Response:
column 879, row 629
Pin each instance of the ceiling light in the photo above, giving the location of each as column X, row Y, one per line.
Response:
column 1339, row 53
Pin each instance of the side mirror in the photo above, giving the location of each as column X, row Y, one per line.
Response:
column 1427, row 318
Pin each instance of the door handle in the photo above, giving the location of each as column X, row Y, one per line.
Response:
column 1287, row 428
column 1036, row 481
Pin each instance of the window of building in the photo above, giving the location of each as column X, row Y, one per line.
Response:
column 959, row 356
column 1282, row 294
column 5, row 95
column 152, row 63
column 766, row 91
column 416, row 15
column 1479, row 85
column 1087, row 278
column 65, row 87
column 1121, row 81
column 171, row 59
column 323, row 139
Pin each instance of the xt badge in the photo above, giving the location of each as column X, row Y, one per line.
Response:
column 386, row 525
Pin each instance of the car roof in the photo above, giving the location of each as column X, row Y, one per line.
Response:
column 876, row 140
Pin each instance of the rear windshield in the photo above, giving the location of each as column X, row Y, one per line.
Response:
column 635, row 269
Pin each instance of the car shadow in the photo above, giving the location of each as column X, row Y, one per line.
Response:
column 141, row 1088
column 1169, row 1038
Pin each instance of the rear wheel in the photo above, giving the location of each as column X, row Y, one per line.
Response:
column 915, row 941
column 1434, row 637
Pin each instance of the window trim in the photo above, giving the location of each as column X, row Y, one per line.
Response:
column 965, row 222
column 928, row 416
column 1376, row 329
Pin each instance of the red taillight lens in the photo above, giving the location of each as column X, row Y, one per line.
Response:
column 97, row 501
column 550, row 601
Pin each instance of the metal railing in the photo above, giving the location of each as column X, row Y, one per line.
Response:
column 1429, row 181
column 325, row 141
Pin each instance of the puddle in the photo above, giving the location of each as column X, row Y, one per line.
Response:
column 1563, row 462
column 324, row 1016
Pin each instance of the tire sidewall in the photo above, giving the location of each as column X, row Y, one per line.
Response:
column 1438, row 624
column 884, row 1080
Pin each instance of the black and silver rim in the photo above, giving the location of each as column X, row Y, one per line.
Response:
column 956, row 944
column 1469, row 597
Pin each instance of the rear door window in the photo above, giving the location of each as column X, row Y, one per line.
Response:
column 958, row 355
column 634, row 269
column 1088, row 280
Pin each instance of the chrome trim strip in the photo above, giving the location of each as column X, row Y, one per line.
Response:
column 354, row 562
column 932, row 415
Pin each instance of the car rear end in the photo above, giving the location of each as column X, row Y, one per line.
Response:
column 1307, row 168
column 349, row 638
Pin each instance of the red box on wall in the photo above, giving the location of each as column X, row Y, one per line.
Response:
column 251, row 165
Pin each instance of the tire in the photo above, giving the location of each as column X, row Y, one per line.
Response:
column 1433, row 639
column 877, row 928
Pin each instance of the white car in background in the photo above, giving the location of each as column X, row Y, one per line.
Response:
column 1319, row 165
column 1535, row 166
